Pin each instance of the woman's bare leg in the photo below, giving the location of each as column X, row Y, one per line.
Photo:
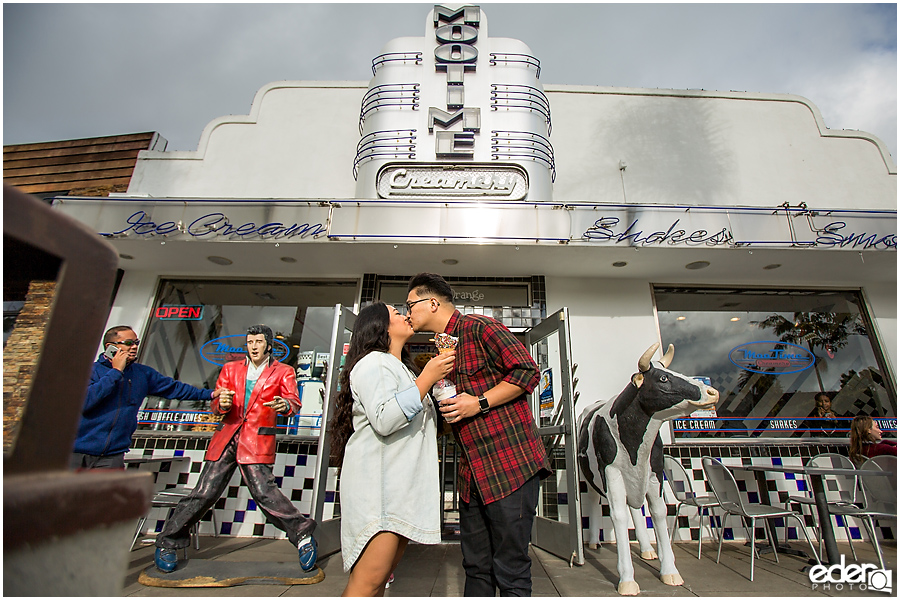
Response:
column 376, row 563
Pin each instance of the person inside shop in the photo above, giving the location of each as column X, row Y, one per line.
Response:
column 384, row 436
column 117, row 387
column 503, row 457
column 866, row 441
column 823, row 421
column 255, row 390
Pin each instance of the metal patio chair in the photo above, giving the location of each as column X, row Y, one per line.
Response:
column 879, row 499
column 840, row 490
column 683, row 489
column 724, row 486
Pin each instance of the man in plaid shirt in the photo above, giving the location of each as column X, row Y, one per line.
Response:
column 503, row 458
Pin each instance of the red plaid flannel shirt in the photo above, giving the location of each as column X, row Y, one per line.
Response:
column 501, row 448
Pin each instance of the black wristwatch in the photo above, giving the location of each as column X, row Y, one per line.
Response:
column 483, row 403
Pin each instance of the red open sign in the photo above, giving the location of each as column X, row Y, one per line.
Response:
column 179, row 313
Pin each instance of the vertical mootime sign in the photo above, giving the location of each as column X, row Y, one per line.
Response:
column 455, row 54
column 455, row 115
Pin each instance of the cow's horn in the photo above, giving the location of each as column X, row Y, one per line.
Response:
column 667, row 357
column 644, row 362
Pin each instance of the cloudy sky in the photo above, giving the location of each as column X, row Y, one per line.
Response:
column 87, row 70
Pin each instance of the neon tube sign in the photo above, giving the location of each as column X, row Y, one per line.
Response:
column 217, row 224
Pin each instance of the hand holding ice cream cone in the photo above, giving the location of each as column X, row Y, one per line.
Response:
column 444, row 388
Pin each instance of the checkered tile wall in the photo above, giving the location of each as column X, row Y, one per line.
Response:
column 294, row 469
column 779, row 489
column 236, row 512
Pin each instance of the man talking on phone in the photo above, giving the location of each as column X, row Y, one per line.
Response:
column 118, row 387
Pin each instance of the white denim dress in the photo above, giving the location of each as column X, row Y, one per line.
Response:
column 389, row 479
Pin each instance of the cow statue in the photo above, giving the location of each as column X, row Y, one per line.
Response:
column 621, row 456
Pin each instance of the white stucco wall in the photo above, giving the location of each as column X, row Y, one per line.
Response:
column 298, row 141
column 687, row 147
column 611, row 325
column 680, row 147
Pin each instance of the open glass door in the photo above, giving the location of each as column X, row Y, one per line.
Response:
column 557, row 527
column 325, row 501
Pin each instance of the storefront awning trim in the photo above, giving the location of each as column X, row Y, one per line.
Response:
column 472, row 222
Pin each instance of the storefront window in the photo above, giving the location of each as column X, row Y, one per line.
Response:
column 780, row 360
column 197, row 326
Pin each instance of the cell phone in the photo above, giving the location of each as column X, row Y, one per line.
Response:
column 110, row 351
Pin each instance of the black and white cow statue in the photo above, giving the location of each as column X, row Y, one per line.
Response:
column 621, row 456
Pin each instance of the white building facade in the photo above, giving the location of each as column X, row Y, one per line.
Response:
column 708, row 220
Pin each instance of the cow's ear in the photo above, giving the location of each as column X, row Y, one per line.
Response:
column 637, row 379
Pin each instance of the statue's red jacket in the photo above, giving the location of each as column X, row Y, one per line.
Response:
column 256, row 428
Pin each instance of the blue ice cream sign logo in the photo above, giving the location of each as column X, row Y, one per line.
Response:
column 778, row 358
column 234, row 347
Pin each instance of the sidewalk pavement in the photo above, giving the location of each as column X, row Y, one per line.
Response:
column 436, row 571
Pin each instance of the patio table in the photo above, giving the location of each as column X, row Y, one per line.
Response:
column 816, row 477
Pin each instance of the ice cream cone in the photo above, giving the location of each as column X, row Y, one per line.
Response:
column 445, row 342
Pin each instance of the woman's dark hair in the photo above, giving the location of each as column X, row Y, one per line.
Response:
column 370, row 334
column 859, row 436
column 431, row 284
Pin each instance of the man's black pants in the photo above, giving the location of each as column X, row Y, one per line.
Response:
column 89, row 461
column 494, row 540
column 214, row 478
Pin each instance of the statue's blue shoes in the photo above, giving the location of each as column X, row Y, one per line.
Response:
column 308, row 551
column 166, row 559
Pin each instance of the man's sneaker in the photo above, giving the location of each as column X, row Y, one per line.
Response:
column 166, row 559
column 308, row 551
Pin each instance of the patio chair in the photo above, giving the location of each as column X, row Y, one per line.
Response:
column 840, row 490
column 731, row 502
column 683, row 490
column 879, row 499
column 885, row 463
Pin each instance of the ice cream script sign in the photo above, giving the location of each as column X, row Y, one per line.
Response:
column 216, row 224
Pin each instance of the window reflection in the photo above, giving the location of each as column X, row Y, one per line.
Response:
column 192, row 345
column 770, row 353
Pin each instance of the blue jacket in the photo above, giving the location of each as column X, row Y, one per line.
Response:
column 109, row 415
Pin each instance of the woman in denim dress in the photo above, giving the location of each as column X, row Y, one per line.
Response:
column 385, row 438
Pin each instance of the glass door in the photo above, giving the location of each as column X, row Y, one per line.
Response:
column 557, row 527
column 325, row 501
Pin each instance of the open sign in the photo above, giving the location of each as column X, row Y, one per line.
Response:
column 179, row 312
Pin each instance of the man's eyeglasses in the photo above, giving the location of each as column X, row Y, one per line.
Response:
column 128, row 343
column 409, row 305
